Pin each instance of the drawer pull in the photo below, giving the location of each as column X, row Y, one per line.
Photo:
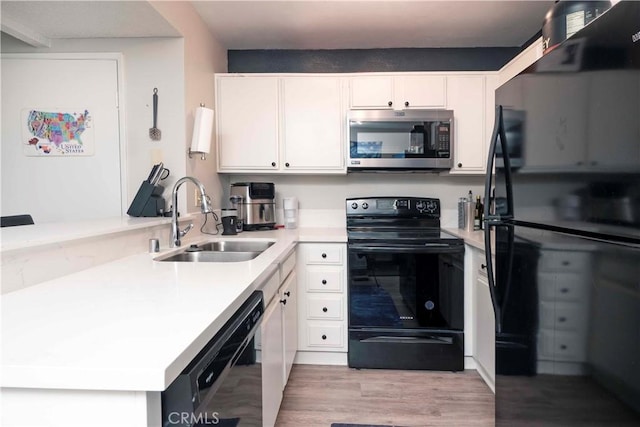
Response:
column 283, row 301
column 288, row 293
column 565, row 263
column 562, row 319
column 483, row 266
column 324, row 255
column 564, row 290
column 563, row 347
column 324, row 282
column 325, row 309
column 324, row 337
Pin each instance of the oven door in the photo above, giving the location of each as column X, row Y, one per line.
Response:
column 406, row 286
column 406, row 306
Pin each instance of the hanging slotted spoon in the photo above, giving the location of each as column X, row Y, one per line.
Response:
column 154, row 132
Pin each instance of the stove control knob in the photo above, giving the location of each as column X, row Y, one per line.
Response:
column 421, row 206
column 432, row 206
column 365, row 205
column 354, row 205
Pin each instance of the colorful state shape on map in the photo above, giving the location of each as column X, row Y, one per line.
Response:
column 57, row 127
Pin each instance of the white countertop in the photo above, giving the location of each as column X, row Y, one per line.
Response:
column 473, row 238
column 27, row 236
column 131, row 324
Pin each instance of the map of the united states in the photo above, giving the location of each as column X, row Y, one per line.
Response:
column 57, row 127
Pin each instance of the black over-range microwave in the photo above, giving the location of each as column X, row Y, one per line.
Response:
column 400, row 140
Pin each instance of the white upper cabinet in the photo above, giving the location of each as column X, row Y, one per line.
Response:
column 398, row 92
column 466, row 97
column 280, row 124
column 313, row 123
column 247, row 125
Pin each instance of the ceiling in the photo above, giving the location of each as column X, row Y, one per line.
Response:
column 291, row 24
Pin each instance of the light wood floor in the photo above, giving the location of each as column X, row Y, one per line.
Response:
column 317, row 396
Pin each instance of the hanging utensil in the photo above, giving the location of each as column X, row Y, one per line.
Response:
column 154, row 133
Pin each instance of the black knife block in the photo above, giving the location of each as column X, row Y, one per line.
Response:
column 148, row 201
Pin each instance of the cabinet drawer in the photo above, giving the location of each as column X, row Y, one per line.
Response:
column 562, row 287
column 563, row 316
column 325, row 254
column 323, row 279
column 563, row 261
column 561, row 346
column 324, row 307
column 325, row 335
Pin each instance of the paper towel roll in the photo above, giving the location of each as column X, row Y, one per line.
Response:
column 202, row 128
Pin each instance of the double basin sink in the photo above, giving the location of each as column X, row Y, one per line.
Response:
column 219, row 251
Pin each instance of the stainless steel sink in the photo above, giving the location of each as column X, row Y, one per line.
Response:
column 210, row 256
column 232, row 246
column 219, row 251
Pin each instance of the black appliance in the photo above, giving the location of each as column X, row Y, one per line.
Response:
column 406, row 286
column 400, row 140
column 564, row 229
column 223, row 384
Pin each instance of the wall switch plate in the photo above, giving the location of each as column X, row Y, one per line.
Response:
column 197, row 198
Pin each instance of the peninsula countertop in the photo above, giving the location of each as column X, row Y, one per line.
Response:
column 134, row 323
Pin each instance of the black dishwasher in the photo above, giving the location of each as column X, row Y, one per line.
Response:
column 222, row 386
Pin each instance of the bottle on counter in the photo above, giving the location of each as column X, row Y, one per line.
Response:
column 478, row 214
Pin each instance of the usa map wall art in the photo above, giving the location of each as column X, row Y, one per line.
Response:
column 47, row 132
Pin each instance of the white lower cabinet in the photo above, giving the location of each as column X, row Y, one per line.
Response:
column 272, row 362
column 289, row 301
column 483, row 320
column 322, row 302
column 278, row 338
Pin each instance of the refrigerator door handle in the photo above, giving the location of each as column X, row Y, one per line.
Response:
column 492, row 218
column 497, row 310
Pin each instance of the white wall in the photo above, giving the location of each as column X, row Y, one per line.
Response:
column 182, row 69
column 203, row 57
column 148, row 63
column 329, row 192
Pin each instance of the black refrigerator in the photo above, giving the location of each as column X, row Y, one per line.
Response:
column 562, row 231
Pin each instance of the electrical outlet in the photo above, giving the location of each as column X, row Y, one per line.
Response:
column 196, row 197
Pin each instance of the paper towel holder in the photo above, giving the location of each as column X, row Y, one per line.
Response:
column 202, row 127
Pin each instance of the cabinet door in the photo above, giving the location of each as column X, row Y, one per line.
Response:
column 466, row 97
column 313, row 123
column 372, row 92
column 484, row 329
column 420, row 92
column 247, row 123
column 272, row 362
column 289, row 323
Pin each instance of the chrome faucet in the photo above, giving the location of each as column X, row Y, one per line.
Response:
column 205, row 207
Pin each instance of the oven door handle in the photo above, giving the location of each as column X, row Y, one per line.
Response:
column 427, row 248
column 430, row 339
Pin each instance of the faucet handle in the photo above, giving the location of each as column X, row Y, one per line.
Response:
column 186, row 230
